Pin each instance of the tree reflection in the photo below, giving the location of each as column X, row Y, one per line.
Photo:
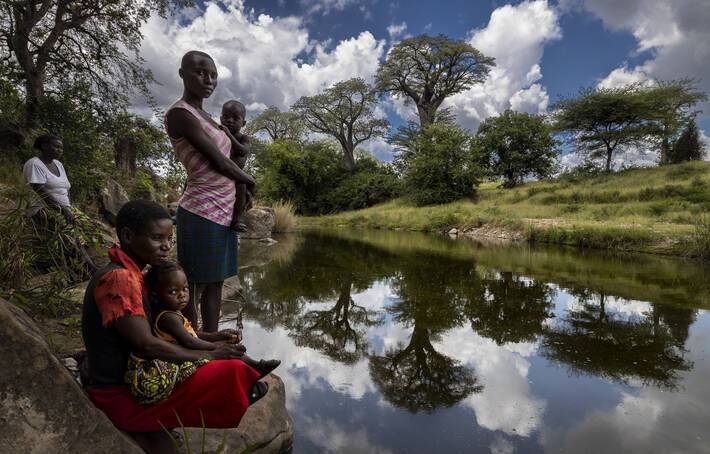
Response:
column 590, row 340
column 417, row 377
column 338, row 332
column 510, row 308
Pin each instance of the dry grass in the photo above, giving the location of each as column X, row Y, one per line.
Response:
column 285, row 217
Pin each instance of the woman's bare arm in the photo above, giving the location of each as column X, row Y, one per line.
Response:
column 183, row 124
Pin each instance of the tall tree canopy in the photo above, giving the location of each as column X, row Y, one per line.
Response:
column 515, row 145
column 428, row 69
column 344, row 111
column 47, row 44
column 278, row 125
column 601, row 119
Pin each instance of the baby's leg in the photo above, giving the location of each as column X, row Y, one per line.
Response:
column 263, row 366
column 239, row 209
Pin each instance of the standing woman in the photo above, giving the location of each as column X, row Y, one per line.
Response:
column 47, row 177
column 207, row 248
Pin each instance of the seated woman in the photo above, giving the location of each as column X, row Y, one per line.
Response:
column 116, row 321
column 47, row 177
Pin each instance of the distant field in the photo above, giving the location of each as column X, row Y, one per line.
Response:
column 660, row 210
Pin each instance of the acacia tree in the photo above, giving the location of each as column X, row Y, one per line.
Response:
column 278, row 125
column 602, row 119
column 427, row 69
column 344, row 111
column 45, row 44
column 515, row 145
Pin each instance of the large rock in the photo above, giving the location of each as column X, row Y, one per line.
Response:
column 111, row 199
column 42, row 408
column 260, row 222
column 265, row 429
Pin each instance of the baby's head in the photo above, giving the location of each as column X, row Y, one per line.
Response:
column 168, row 287
column 233, row 116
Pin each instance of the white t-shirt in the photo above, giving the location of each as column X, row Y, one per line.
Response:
column 56, row 187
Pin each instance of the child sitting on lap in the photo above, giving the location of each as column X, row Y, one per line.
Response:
column 169, row 293
column 153, row 380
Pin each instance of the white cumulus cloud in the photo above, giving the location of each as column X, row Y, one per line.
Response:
column 516, row 37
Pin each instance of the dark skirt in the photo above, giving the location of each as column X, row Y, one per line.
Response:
column 206, row 250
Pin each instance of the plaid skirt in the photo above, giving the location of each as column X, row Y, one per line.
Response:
column 206, row 250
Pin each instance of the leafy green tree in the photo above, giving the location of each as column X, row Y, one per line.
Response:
column 671, row 108
column 441, row 170
column 303, row 176
column 427, row 69
column 138, row 142
column 344, row 111
column 689, row 146
column 602, row 119
column 278, row 125
column 45, row 44
column 515, row 145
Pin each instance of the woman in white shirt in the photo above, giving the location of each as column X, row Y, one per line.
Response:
column 46, row 175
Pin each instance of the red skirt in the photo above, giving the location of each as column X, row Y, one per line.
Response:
column 218, row 389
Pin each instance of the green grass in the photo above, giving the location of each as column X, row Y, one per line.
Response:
column 652, row 210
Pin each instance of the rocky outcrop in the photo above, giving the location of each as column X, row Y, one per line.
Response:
column 260, row 222
column 43, row 409
column 266, row 427
column 111, row 199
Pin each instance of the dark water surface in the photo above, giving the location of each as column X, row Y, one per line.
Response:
column 406, row 343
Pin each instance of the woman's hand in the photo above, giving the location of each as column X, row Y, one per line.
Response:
column 68, row 215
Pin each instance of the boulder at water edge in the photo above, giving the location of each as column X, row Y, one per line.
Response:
column 265, row 429
column 260, row 222
column 42, row 408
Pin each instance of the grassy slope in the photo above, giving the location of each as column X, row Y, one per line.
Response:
column 652, row 210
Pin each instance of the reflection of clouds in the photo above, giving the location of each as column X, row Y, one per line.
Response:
column 613, row 305
column 648, row 419
column 330, row 437
column 376, row 297
column 505, row 403
column 305, row 368
column 501, row 446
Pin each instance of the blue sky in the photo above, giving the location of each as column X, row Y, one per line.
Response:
column 272, row 52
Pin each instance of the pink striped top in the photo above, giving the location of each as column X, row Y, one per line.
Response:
column 208, row 193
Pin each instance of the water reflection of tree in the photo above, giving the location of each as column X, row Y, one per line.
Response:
column 311, row 296
column 417, row 377
column 647, row 347
column 510, row 308
column 338, row 332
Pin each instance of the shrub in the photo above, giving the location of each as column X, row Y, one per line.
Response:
column 370, row 184
column 441, row 170
column 284, row 217
column 701, row 237
column 304, row 176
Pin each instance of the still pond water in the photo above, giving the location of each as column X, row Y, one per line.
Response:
column 395, row 342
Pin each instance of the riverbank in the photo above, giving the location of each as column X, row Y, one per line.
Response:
column 659, row 210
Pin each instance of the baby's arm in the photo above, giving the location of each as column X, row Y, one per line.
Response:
column 172, row 324
column 240, row 146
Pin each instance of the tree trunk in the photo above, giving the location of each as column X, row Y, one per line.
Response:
column 426, row 115
column 34, row 85
column 609, row 153
column 349, row 158
column 125, row 155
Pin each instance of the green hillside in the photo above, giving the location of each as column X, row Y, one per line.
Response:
column 661, row 210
